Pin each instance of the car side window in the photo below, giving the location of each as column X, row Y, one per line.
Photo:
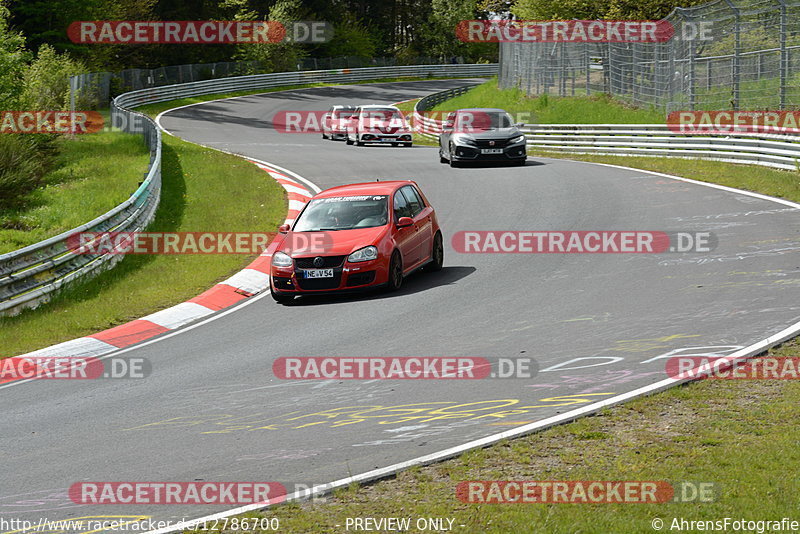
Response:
column 414, row 201
column 401, row 207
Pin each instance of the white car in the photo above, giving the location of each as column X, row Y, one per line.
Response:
column 380, row 125
column 334, row 123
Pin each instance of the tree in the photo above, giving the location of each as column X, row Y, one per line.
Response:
column 13, row 60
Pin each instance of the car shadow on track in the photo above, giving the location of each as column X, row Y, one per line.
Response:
column 415, row 283
column 496, row 164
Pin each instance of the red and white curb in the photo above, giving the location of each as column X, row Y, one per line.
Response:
column 250, row 281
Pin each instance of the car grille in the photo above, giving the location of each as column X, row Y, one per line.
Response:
column 328, row 262
column 320, row 283
column 486, row 143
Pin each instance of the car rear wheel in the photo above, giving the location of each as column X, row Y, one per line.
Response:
column 437, row 254
column 395, row 272
column 279, row 297
column 347, row 140
column 442, row 159
column 324, row 136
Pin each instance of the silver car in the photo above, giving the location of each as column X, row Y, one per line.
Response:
column 481, row 134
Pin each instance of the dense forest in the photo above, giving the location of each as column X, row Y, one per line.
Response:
column 402, row 29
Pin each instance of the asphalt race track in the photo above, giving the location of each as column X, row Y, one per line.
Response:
column 212, row 409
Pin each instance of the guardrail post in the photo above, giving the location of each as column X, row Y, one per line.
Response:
column 588, row 66
column 784, row 59
column 737, row 50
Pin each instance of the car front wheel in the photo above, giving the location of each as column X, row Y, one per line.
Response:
column 280, row 298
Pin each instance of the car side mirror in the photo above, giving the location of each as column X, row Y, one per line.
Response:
column 284, row 228
column 402, row 222
column 448, row 126
column 519, row 124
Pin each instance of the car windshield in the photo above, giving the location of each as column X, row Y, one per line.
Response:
column 382, row 114
column 343, row 213
column 343, row 113
column 483, row 120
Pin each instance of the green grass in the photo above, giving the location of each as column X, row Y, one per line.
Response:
column 90, row 175
column 599, row 109
column 740, row 435
column 197, row 186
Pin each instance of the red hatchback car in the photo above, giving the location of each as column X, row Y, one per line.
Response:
column 368, row 235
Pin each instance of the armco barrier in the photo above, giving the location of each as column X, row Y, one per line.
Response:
column 30, row 275
column 780, row 151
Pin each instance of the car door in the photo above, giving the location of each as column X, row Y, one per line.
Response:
column 423, row 226
column 404, row 237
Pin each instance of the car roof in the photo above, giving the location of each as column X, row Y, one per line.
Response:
column 378, row 106
column 365, row 188
column 337, row 107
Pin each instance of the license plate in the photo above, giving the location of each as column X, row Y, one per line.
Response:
column 318, row 273
column 491, row 151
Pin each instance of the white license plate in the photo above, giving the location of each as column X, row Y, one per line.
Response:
column 491, row 151
column 318, row 273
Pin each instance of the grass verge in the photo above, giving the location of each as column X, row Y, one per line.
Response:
column 90, row 175
column 739, row 435
column 196, row 183
column 599, row 109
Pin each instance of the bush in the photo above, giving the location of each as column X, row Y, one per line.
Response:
column 46, row 80
column 24, row 159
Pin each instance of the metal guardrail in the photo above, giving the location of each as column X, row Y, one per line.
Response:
column 780, row 151
column 30, row 276
column 267, row 81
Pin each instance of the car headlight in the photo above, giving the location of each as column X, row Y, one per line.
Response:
column 517, row 139
column 464, row 141
column 281, row 259
column 363, row 254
